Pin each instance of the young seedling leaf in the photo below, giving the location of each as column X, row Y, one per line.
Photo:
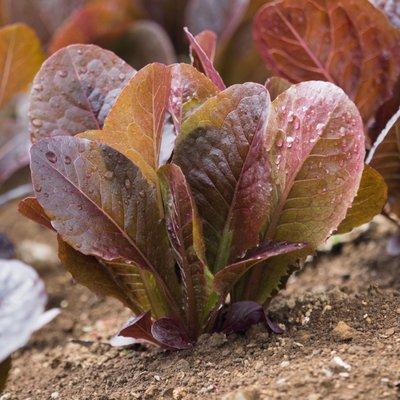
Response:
column 135, row 124
column 139, row 328
column 357, row 48
column 169, row 333
column 226, row 278
column 189, row 89
column 22, row 303
column 20, row 59
column 102, row 205
column 222, row 153
column 277, row 86
column 206, row 64
column 317, row 148
column 74, row 91
column 186, row 238
column 370, row 200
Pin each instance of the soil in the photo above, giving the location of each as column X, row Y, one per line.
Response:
column 342, row 336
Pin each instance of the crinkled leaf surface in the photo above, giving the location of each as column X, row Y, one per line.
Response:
column 346, row 42
column 276, row 86
column 169, row 333
column 44, row 16
column 221, row 150
column 226, row 278
column 135, row 124
column 318, row 150
column 391, row 8
column 74, row 90
column 186, row 237
column 220, row 16
column 203, row 59
column 385, row 158
column 189, row 89
column 22, row 303
column 101, row 204
column 370, row 200
column 20, row 59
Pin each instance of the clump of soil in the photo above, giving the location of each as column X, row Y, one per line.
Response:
column 342, row 336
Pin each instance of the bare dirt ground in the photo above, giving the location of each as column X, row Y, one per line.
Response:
column 342, row 338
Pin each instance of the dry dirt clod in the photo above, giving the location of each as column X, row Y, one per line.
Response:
column 243, row 394
column 344, row 332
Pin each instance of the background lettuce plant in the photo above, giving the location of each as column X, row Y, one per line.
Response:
column 169, row 192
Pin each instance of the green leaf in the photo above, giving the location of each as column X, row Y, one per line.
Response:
column 222, row 153
column 370, row 200
column 186, row 237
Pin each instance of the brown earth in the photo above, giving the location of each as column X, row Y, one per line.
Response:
column 342, row 338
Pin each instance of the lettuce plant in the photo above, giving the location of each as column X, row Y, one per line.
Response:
column 170, row 192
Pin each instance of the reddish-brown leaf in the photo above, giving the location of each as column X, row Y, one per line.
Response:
column 347, row 42
column 31, row 209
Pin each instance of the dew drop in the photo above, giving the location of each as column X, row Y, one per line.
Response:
column 128, row 183
column 67, row 160
column 109, row 175
column 279, row 143
column 79, row 51
column 142, row 194
column 38, row 188
column 38, row 87
column 121, row 77
column 63, row 73
column 51, row 157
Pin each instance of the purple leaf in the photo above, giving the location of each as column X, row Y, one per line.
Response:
column 207, row 65
column 137, row 328
column 22, row 303
column 241, row 315
column 170, row 334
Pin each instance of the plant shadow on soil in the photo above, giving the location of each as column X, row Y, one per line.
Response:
column 358, row 286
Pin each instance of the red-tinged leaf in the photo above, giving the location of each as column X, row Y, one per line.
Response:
column 318, row 148
column 22, row 302
column 101, row 204
column 169, row 333
column 222, row 152
column 370, row 200
column 74, row 91
column 391, row 8
column 186, row 237
column 139, row 328
column 100, row 23
column 7, row 250
column 206, row 64
column 385, row 158
column 189, row 89
column 135, row 124
column 145, row 42
column 31, row 209
column 20, row 59
column 208, row 42
column 44, row 16
column 357, row 48
column 277, row 86
column 220, row 16
column 227, row 277
column 241, row 315
column 14, row 147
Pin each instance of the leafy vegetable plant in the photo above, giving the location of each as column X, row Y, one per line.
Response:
column 22, row 303
column 170, row 192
